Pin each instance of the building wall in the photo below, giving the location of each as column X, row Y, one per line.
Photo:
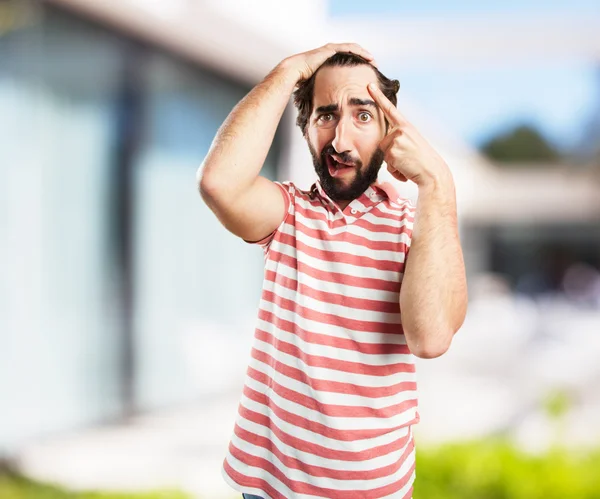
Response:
column 117, row 281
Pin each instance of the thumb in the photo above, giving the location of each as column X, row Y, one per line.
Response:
column 396, row 174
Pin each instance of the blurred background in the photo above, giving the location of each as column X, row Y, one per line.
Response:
column 127, row 312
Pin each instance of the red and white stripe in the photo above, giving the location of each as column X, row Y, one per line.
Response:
column 330, row 393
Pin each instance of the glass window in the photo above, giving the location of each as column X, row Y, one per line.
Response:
column 197, row 286
column 59, row 361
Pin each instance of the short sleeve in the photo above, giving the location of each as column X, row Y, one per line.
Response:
column 409, row 210
column 288, row 192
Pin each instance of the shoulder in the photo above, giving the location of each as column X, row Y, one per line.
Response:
column 401, row 206
column 405, row 204
column 393, row 200
column 295, row 192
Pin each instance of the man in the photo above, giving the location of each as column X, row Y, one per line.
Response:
column 330, row 393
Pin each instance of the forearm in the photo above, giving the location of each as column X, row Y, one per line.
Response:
column 433, row 296
column 241, row 144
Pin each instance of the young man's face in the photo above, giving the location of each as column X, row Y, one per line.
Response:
column 344, row 131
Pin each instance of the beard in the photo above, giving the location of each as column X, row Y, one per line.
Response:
column 335, row 187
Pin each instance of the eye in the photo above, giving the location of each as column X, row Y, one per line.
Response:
column 364, row 117
column 325, row 118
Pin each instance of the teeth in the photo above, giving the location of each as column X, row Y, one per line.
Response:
column 339, row 165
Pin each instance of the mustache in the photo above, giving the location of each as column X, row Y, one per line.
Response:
column 343, row 156
column 363, row 177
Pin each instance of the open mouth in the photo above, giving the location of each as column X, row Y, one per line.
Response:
column 336, row 168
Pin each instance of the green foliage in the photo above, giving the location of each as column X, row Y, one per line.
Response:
column 495, row 469
column 16, row 487
column 490, row 469
column 557, row 403
column 523, row 144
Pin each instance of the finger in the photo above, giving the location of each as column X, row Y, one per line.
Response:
column 392, row 135
column 354, row 48
column 389, row 110
column 399, row 176
column 357, row 49
column 396, row 174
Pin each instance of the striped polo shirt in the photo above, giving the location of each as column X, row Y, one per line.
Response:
column 329, row 397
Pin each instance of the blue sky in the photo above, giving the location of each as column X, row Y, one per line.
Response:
column 460, row 7
column 556, row 97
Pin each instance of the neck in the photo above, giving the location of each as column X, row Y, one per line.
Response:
column 343, row 204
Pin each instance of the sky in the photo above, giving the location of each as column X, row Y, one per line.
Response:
column 460, row 7
column 557, row 97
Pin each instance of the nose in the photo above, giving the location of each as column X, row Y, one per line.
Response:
column 342, row 141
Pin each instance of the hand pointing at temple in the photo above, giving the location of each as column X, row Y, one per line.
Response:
column 408, row 155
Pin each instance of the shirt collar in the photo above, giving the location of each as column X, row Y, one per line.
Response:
column 375, row 193
column 389, row 191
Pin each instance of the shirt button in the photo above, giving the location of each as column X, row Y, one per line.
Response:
column 353, row 211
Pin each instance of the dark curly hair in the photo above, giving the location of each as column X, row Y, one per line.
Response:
column 303, row 95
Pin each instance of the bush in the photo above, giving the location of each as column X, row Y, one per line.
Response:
column 495, row 469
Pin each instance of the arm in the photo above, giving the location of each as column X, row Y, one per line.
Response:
column 248, row 205
column 433, row 294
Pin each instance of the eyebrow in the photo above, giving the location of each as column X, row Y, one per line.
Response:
column 330, row 108
column 362, row 102
column 353, row 101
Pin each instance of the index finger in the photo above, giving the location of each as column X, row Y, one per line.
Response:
column 354, row 48
column 389, row 110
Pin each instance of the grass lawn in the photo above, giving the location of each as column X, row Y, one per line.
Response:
column 489, row 469
column 13, row 486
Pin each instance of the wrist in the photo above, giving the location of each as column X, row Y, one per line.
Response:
column 303, row 66
column 437, row 185
column 290, row 69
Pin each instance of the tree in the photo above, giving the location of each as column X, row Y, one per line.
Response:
column 522, row 144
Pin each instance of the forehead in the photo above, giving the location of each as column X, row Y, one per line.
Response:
column 336, row 84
